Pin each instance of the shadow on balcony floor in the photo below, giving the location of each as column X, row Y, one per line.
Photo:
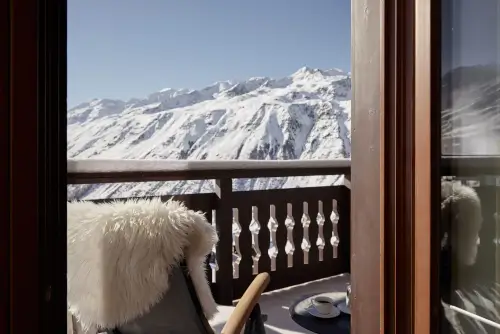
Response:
column 275, row 304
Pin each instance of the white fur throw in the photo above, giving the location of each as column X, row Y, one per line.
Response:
column 461, row 206
column 120, row 255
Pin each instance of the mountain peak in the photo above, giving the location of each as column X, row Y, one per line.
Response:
column 305, row 70
column 309, row 71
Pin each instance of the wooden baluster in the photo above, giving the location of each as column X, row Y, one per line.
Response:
column 327, row 229
column 298, row 233
column 306, row 240
column 264, row 238
column 224, row 219
column 334, row 218
column 312, row 209
column 236, row 228
column 289, row 225
column 273, row 226
column 245, row 240
column 320, row 219
column 255, row 228
column 210, row 262
column 281, row 237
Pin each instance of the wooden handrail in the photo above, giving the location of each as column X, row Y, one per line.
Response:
column 93, row 171
column 470, row 165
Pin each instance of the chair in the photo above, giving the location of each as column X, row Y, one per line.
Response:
column 138, row 267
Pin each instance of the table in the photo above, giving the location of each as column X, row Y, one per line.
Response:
column 337, row 325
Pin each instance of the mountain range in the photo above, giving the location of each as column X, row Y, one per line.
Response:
column 305, row 115
column 470, row 110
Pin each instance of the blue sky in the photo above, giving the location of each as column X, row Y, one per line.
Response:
column 470, row 33
column 130, row 48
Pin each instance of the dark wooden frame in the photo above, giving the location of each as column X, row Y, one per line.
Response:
column 368, row 167
column 421, row 263
column 427, row 141
column 377, row 95
column 412, row 164
column 399, row 159
column 52, row 153
column 385, row 181
column 37, row 166
column 24, row 250
column 4, row 166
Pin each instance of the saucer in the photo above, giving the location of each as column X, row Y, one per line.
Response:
column 334, row 313
column 343, row 308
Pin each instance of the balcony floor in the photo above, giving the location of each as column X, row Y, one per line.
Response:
column 275, row 304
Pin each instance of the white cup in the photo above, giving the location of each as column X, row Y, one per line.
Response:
column 323, row 305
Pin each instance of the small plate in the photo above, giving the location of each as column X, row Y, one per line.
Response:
column 312, row 311
column 343, row 308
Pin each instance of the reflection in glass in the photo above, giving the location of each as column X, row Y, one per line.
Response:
column 470, row 126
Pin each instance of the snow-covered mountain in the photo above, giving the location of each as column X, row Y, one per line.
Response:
column 303, row 116
column 471, row 110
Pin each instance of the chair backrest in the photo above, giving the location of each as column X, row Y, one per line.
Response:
column 178, row 312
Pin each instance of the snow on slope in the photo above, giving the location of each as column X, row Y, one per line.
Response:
column 471, row 111
column 304, row 116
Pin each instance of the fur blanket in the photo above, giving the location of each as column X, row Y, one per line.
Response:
column 461, row 216
column 120, row 255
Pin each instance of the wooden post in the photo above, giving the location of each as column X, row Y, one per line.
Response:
column 347, row 181
column 224, row 222
column 344, row 226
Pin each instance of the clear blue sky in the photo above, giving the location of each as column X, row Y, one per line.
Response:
column 130, row 48
column 470, row 33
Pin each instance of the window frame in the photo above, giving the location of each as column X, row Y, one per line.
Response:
column 427, row 140
column 4, row 164
column 367, row 167
column 36, row 265
column 383, row 139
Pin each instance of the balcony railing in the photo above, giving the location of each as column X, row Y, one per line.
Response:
column 297, row 235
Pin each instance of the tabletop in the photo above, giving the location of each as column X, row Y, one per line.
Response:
column 338, row 325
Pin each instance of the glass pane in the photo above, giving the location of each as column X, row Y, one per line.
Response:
column 244, row 81
column 168, row 84
column 470, row 140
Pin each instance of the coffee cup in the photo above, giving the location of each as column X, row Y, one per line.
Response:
column 323, row 305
